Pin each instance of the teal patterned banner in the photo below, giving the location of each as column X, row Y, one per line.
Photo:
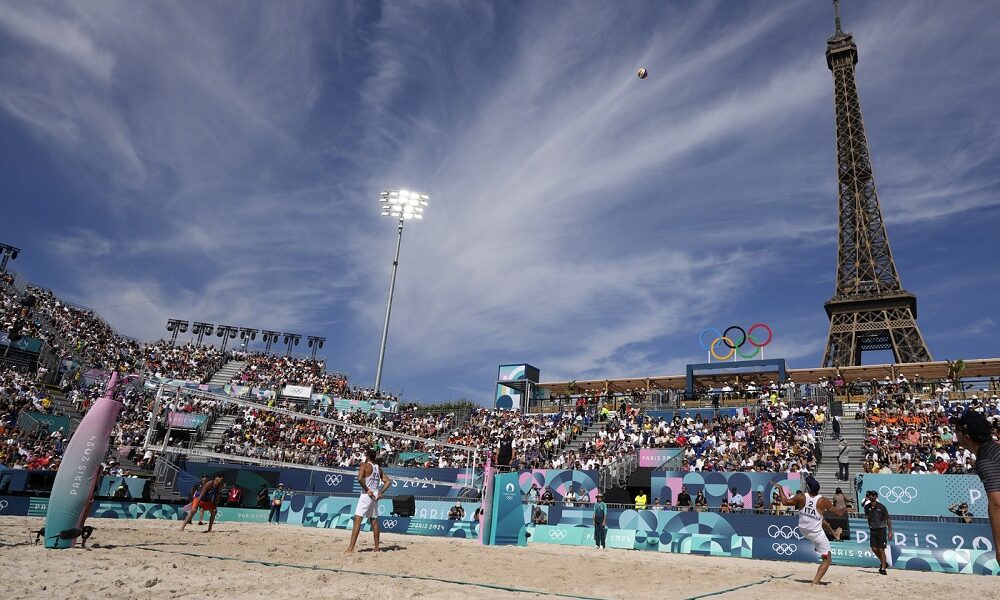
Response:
column 926, row 494
column 916, row 545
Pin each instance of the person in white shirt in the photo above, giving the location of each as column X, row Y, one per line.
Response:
column 735, row 500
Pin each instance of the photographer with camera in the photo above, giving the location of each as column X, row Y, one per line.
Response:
column 961, row 509
column 880, row 524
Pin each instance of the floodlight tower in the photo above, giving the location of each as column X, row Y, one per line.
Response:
column 201, row 330
column 404, row 205
column 226, row 332
column 292, row 339
column 175, row 326
column 270, row 337
column 247, row 334
column 315, row 343
column 7, row 253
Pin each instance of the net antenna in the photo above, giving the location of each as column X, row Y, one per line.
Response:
column 472, row 453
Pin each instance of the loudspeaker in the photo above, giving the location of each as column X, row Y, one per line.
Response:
column 403, row 506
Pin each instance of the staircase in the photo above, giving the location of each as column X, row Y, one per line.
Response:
column 227, row 372
column 214, row 435
column 826, row 473
column 63, row 406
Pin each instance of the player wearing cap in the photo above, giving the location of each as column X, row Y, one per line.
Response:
column 600, row 521
column 975, row 434
column 812, row 507
column 880, row 524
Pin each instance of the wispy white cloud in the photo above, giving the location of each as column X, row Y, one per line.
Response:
column 577, row 214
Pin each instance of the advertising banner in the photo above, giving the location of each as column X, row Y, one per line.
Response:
column 926, row 494
column 75, row 480
column 717, row 486
column 656, row 457
column 916, row 545
column 297, row 391
column 185, row 420
column 509, row 525
column 14, row 506
column 25, row 344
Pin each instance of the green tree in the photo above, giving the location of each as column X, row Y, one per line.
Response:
column 955, row 369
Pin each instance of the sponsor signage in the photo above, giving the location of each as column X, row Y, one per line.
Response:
column 657, row 457
column 926, row 494
column 297, row 391
column 184, row 420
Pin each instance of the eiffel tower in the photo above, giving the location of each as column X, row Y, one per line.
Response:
column 870, row 310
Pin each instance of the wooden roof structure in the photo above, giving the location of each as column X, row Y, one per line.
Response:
column 974, row 368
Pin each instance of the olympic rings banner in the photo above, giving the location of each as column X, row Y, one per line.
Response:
column 916, row 545
column 925, row 494
column 730, row 342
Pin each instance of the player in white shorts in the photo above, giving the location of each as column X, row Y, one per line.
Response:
column 370, row 476
column 811, row 508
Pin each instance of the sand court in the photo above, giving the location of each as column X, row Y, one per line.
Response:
column 153, row 559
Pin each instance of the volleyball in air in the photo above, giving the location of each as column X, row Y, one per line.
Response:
column 642, row 73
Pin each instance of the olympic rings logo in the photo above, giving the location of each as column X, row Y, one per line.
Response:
column 898, row 494
column 784, row 549
column 557, row 534
column 390, row 523
column 3, row 504
column 734, row 344
column 784, row 532
column 332, row 479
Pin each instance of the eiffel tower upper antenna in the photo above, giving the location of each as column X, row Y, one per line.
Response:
column 836, row 12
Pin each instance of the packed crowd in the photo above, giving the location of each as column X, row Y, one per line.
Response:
column 15, row 317
column 267, row 435
column 275, row 372
column 186, row 362
column 266, row 371
column 38, row 448
column 89, row 336
column 916, row 437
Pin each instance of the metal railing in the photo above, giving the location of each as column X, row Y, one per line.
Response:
column 165, row 472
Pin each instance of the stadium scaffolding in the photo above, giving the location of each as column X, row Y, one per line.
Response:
column 472, row 452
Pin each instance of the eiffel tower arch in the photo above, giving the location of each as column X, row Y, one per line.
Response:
column 870, row 310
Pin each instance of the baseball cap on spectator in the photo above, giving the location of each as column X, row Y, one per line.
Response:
column 973, row 424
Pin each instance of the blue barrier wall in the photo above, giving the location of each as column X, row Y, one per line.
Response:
column 916, row 545
column 251, row 478
column 925, row 494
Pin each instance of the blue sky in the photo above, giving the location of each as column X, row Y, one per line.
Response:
column 222, row 162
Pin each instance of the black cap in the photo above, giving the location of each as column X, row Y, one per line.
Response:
column 974, row 424
column 812, row 484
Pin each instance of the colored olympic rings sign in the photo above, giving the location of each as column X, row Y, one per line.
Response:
column 898, row 494
column 784, row 549
column 733, row 339
column 784, row 532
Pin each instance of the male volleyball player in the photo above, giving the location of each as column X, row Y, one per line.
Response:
column 370, row 475
column 812, row 507
column 207, row 500
column 975, row 433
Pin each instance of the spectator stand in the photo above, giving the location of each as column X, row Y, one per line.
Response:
column 472, row 453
